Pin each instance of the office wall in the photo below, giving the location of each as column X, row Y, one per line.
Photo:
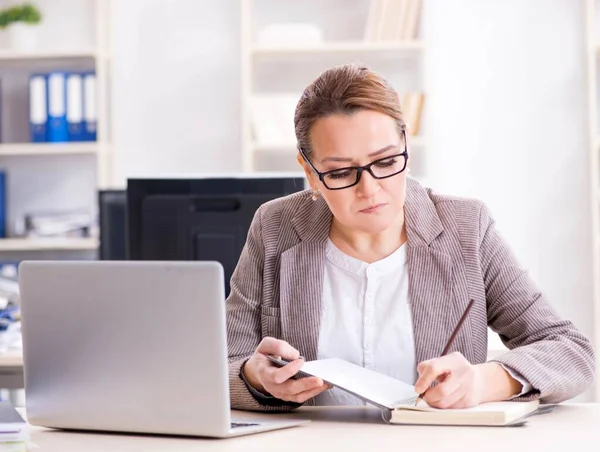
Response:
column 508, row 124
column 176, row 87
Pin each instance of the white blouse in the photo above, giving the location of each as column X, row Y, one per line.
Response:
column 366, row 318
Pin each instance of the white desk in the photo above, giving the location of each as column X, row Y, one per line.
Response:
column 571, row 427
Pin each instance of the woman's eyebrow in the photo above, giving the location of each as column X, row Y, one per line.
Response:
column 372, row 154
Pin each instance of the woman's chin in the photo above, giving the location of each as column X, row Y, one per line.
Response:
column 374, row 226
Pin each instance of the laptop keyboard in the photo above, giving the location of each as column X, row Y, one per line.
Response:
column 242, row 424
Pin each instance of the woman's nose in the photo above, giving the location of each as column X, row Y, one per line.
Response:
column 368, row 185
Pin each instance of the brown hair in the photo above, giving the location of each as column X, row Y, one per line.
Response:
column 344, row 89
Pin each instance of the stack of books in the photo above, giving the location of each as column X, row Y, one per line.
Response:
column 393, row 20
column 412, row 108
column 58, row 224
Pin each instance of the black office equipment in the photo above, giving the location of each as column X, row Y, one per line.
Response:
column 198, row 219
column 112, row 210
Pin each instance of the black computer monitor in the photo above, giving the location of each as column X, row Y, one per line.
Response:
column 112, row 216
column 198, row 219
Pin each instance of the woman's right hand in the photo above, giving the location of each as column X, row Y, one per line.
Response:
column 267, row 378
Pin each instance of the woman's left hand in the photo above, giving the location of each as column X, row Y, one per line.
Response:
column 460, row 383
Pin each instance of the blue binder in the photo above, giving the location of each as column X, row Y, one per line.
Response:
column 38, row 110
column 90, row 112
column 75, row 106
column 56, row 129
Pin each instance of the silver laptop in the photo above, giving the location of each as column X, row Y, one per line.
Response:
column 129, row 346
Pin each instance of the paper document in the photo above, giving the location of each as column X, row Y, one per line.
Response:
column 371, row 386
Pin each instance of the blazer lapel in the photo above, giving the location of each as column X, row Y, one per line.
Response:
column 301, row 273
column 431, row 277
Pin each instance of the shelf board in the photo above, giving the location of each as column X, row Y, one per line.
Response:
column 48, row 148
column 43, row 244
column 11, row 55
column 11, row 358
column 416, row 141
column 341, row 47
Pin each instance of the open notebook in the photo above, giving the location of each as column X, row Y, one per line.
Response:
column 397, row 398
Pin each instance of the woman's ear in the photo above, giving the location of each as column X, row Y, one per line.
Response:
column 310, row 175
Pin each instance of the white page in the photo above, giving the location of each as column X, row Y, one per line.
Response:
column 371, row 386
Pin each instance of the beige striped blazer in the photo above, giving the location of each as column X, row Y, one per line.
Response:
column 454, row 254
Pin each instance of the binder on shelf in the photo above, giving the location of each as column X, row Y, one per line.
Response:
column 90, row 112
column 75, row 106
column 38, row 111
column 57, row 130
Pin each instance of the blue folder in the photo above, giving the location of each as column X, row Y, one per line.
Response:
column 57, row 129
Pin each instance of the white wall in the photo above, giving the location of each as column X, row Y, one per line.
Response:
column 176, row 87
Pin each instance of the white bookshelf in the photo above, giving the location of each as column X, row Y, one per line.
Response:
column 592, row 9
column 95, row 52
column 9, row 55
column 331, row 51
column 49, row 244
column 415, row 142
column 40, row 149
column 341, row 47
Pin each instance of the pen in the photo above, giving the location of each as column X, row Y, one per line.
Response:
column 451, row 340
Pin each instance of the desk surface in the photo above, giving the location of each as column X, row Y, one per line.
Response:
column 574, row 427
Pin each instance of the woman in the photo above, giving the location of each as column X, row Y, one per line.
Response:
column 371, row 267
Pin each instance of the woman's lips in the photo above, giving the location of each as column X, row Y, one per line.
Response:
column 373, row 209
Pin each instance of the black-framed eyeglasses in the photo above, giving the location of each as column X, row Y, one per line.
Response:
column 349, row 176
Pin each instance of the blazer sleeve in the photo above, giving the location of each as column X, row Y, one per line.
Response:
column 243, row 307
column 554, row 357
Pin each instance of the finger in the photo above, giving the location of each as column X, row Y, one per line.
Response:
column 434, row 368
column 277, row 347
column 422, row 366
column 431, row 373
column 303, row 384
column 444, row 393
column 291, row 388
column 449, row 400
column 306, row 395
column 278, row 375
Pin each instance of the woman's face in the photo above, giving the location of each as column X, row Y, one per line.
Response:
column 339, row 141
